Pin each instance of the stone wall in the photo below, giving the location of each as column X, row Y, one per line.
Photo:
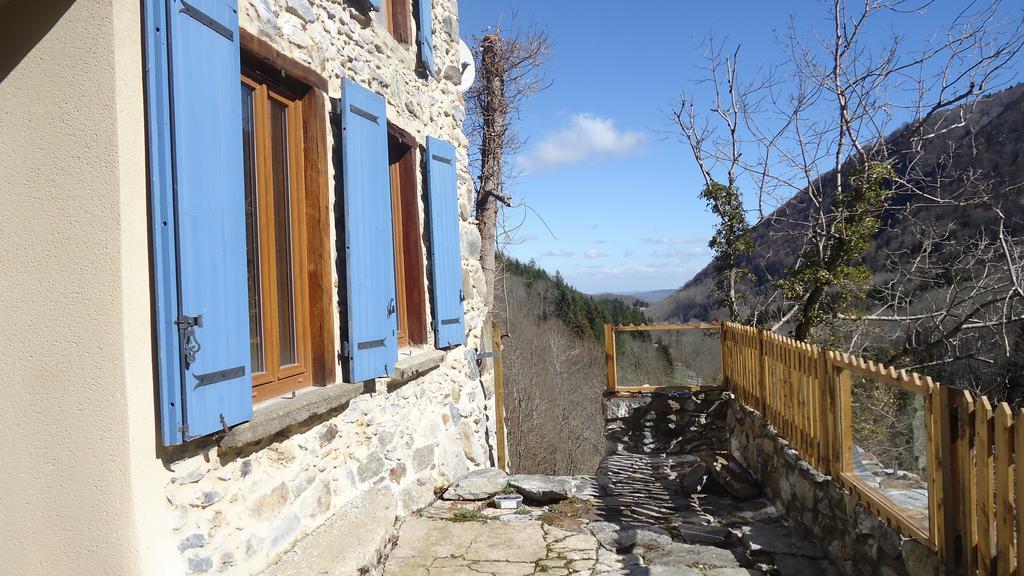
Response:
column 239, row 510
column 857, row 541
column 681, row 423
column 670, row 426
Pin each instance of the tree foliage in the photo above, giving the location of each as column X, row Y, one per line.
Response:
column 731, row 241
column 829, row 275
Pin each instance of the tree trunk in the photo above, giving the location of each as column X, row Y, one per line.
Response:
column 492, row 151
column 806, row 322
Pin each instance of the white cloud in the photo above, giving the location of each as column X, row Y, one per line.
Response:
column 586, row 137
column 594, row 253
column 559, row 253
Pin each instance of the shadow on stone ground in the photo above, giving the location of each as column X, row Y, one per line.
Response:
column 668, row 468
column 666, row 501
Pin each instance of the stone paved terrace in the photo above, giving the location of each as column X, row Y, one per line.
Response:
column 757, row 542
column 442, row 547
column 651, row 510
column 673, row 497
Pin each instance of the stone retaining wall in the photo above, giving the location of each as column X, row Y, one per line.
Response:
column 857, row 541
column 665, row 424
column 238, row 511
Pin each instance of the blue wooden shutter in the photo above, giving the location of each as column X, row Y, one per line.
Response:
column 426, row 35
column 445, row 244
column 369, row 243
column 195, row 126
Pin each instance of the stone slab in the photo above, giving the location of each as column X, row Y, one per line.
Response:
column 477, row 485
column 699, row 534
column 349, row 542
column 409, row 368
column 497, row 549
column 276, row 415
column 541, row 489
column 693, row 556
column 671, row 571
column 779, row 540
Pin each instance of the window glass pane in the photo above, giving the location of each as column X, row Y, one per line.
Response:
column 252, row 232
column 396, row 227
column 283, row 232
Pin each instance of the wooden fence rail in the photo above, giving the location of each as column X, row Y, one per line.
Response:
column 972, row 521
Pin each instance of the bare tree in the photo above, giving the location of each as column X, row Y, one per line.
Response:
column 511, row 65
column 830, row 108
column 731, row 241
column 552, row 389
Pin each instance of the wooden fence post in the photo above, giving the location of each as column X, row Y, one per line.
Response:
column 762, row 375
column 844, row 421
column 936, row 465
column 499, row 397
column 983, row 478
column 968, row 495
column 723, row 347
column 825, row 408
column 1018, row 497
column 609, row 356
column 950, row 452
column 1005, row 539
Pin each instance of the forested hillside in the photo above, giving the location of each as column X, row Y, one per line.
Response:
column 583, row 315
column 553, row 339
column 642, row 299
column 990, row 141
column 554, row 368
column 942, row 260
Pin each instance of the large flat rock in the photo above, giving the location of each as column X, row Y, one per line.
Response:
column 349, row 542
column 778, row 540
column 431, row 546
column 692, row 555
column 540, row 489
column 477, row 485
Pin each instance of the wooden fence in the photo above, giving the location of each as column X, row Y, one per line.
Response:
column 973, row 486
column 611, row 359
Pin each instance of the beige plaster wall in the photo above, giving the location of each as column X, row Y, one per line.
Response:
column 76, row 358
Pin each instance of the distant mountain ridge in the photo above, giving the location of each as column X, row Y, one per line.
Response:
column 991, row 142
column 643, row 297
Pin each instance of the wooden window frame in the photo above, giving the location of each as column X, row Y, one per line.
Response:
column 263, row 63
column 398, row 19
column 277, row 379
column 410, row 281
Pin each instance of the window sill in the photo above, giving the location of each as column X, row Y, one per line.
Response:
column 273, row 416
column 413, row 363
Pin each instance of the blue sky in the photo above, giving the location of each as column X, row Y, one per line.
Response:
column 601, row 168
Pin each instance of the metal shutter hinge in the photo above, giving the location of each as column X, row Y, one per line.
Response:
column 190, row 345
